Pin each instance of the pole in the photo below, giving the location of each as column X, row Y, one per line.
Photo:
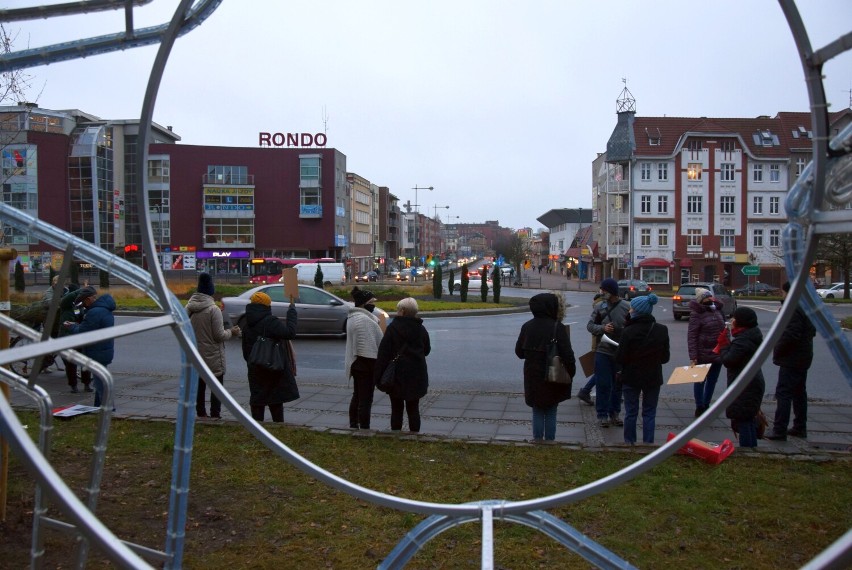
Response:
column 417, row 215
column 6, row 255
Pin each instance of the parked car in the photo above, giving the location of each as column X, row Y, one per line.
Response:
column 835, row 290
column 686, row 293
column 367, row 276
column 632, row 288
column 758, row 289
column 319, row 311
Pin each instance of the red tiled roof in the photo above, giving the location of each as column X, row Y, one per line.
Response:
column 672, row 129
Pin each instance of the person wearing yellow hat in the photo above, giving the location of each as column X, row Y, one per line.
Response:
column 269, row 388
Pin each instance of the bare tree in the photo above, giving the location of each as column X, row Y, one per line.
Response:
column 836, row 251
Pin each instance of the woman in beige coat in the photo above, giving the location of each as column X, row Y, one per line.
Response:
column 210, row 336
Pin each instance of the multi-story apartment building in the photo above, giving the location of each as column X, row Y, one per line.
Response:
column 361, row 239
column 679, row 199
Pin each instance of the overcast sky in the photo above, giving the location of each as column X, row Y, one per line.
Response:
column 500, row 106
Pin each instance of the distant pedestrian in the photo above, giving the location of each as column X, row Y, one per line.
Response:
column 539, row 394
column 607, row 320
column 97, row 315
column 793, row 354
column 210, row 336
column 737, row 346
column 407, row 339
column 68, row 313
column 363, row 336
column 269, row 388
column 641, row 353
column 706, row 321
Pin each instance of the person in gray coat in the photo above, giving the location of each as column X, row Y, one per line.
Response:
column 210, row 336
column 608, row 319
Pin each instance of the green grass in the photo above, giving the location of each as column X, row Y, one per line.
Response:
column 248, row 509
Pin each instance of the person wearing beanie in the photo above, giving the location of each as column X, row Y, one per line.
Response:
column 706, row 321
column 68, row 313
column 269, row 388
column 98, row 315
column 539, row 394
column 641, row 353
column 363, row 336
column 210, row 336
column 793, row 354
column 585, row 393
column 736, row 347
column 607, row 318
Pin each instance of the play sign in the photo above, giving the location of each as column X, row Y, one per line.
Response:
column 751, row 270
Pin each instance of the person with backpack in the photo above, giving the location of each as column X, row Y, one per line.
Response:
column 793, row 354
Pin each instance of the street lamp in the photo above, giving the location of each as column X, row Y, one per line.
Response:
column 417, row 215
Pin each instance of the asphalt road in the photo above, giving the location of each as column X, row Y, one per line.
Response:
column 476, row 352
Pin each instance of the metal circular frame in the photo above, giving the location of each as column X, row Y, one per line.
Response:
column 804, row 205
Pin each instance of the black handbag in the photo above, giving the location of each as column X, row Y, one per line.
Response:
column 556, row 372
column 267, row 353
column 387, row 381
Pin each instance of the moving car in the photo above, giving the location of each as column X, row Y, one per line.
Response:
column 686, row 293
column 632, row 288
column 835, row 290
column 319, row 311
column 367, row 276
column 758, row 289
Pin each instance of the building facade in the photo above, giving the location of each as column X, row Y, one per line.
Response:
column 685, row 199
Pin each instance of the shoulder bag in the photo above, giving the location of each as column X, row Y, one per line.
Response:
column 556, row 372
column 387, row 381
column 267, row 353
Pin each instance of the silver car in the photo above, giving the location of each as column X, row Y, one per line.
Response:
column 319, row 311
column 686, row 293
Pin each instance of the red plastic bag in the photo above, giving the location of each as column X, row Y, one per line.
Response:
column 712, row 453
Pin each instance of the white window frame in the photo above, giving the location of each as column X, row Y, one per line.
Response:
column 694, row 204
column 693, row 238
column 663, row 171
column 775, row 173
column 757, row 173
column 757, row 238
column 645, row 204
column 775, row 238
column 663, row 237
column 728, row 172
column 645, row 237
column 646, row 171
column 757, row 205
column 694, row 170
column 800, row 165
column 774, row 205
column 727, row 204
column 662, row 204
column 726, row 238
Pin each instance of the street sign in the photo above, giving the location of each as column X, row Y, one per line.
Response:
column 751, row 270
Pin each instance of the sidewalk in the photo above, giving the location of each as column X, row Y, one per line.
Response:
column 501, row 418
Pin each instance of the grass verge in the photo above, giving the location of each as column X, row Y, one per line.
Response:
column 248, row 509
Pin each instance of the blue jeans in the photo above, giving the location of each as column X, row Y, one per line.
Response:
column 589, row 385
column 704, row 390
column 544, row 423
column 791, row 391
column 650, row 397
column 608, row 401
column 99, row 390
column 748, row 433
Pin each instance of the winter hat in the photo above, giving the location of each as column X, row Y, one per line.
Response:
column 610, row 285
column 84, row 293
column 702, row 293
column 205, row 284
column 644, row 305
column 745, row 317
column 362, row 296
column 261, row 298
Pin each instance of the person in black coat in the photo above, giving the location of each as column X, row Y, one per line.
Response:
column 793, row 355
column 407, row 337
column 543, row 396
column 736, row 350
column 642, row 351
column 272, row 388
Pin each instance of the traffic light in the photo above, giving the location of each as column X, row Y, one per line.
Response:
column 429, row 259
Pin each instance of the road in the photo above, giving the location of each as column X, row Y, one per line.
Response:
column 477, row 352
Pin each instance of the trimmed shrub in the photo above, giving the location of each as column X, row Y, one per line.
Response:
column 465, row 280
column 318, row 277
column 20, row 284
column 495, row 278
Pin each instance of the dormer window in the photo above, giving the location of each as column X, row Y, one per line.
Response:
column 766, row 138
column 654, row 136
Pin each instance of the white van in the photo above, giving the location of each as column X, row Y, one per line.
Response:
column 332, row 273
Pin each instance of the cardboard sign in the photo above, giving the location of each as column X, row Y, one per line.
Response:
column 290, row 277
column 587, row 362
column 71, row 411
column 712, row 453
column 689, row 374
column 383, row 321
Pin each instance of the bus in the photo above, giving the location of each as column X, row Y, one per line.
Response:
column 268, row 269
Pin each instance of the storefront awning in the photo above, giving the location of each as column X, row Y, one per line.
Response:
column 654, row 262
column 686, row 262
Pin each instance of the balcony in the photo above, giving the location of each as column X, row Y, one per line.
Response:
column 310, row 211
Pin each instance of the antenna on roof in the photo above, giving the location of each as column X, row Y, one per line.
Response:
column 625, row 101
column 324, row 121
